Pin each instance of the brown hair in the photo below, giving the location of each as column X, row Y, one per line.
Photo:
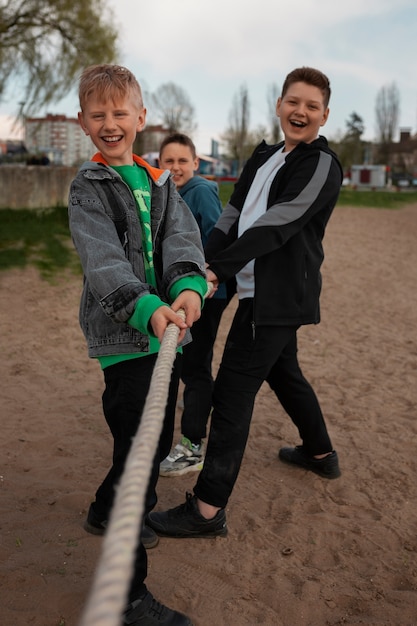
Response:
column 310, row 76
column 180, row 138
column 108, row 82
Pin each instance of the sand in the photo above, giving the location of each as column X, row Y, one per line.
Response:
column 301, row 550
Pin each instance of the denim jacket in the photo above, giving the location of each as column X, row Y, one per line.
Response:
column 106, row 232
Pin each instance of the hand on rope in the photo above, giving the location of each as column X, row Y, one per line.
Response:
column 212, row 283
column 185, row 310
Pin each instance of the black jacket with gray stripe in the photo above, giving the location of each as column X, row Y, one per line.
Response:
column 286, row 242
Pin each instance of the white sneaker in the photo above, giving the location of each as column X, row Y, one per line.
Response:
column 185, row 457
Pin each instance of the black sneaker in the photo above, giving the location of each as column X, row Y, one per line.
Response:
column 185, row 520
column 93, row 524
column 328, row 467
column 146, row 611
column 149, row 537
column 97, row 526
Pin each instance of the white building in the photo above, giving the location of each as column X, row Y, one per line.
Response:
column 368, row 176
column 58, row 137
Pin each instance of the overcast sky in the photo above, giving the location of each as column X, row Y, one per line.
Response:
column 211, row 49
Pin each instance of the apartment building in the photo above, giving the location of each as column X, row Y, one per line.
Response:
column 59, row 138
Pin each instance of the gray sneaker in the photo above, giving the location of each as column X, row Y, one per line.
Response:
column 185, row 457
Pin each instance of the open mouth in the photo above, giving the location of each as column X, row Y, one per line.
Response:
column 113, row 139
column 297, row 123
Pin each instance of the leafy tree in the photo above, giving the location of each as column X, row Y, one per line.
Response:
column 171, row 104
column 45, row 43
column 351, row 146
column 355, row 127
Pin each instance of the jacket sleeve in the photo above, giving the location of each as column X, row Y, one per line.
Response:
column 313, row 185
column 225, row 231
column 109, row 273
column 181, row 251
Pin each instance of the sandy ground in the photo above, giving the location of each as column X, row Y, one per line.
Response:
column 301, row 551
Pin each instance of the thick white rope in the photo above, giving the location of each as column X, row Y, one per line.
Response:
column 108, row 596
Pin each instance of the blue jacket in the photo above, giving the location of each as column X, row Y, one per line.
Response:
column 286, row 242
column 202, row 197
column 107, row 235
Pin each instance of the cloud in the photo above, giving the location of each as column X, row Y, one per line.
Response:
column 226, row 39
column 211, row 49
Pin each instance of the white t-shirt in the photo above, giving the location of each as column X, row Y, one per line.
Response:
column 255, row 206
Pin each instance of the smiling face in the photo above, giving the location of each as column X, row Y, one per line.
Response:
column 112, row 124
column 302, row 112
column 179, row 159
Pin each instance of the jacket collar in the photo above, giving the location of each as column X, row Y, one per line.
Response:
column 154, row 172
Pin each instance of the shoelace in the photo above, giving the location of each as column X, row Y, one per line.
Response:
column 157, row 609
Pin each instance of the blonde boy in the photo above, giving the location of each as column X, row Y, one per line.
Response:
column 142, row 259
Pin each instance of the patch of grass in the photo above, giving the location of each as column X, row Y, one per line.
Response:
column 42, row 238
column 37, row 237
column 350, row 197
column 225, row 191
column 377, row 199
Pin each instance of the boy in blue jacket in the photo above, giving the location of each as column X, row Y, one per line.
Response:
column 177, row 153
column 270, row 238
column 142, row 259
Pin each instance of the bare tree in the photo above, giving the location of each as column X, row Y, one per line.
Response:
column 272, row 96
column 172, row 106
column 45, row 43
column 237, row 134
column 387, row 110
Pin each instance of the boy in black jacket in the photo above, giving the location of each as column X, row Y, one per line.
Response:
column 270, row 238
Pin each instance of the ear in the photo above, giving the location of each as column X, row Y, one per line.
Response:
column 81, row 121
column 278, row 107
column 140, row 124
column 325, row 116
column 196, row 164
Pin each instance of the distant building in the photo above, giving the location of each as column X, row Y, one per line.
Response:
column 58, row 137
column 12, row 147
column 150, row 138
column 403, row 157
column 368, row 176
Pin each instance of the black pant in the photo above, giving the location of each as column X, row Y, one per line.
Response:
column 196, row 372
column 252, row 356
column 124, row 397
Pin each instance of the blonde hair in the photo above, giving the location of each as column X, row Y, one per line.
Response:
column 108, row 82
